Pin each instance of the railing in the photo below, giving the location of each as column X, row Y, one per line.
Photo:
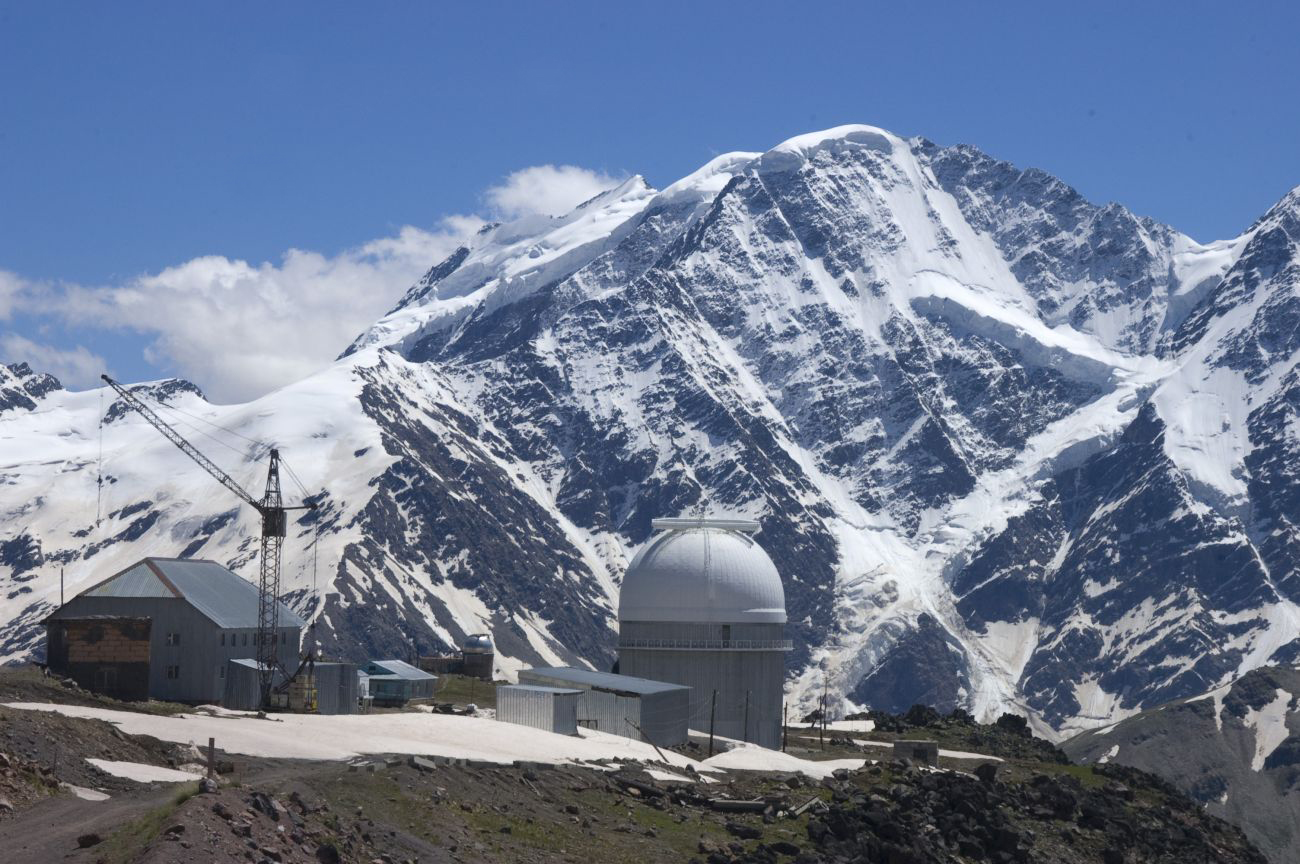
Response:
column 708, row 644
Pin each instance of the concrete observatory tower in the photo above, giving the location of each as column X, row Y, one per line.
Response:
column 702, row 605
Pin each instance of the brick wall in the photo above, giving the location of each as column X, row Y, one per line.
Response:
column 107, row 641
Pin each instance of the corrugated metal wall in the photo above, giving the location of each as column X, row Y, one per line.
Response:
column 336, row 688
column 243, row 690
column 549, row 709
column 736, row 675
column 661, row 716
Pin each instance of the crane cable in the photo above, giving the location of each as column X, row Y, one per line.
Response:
column 315, row 540
column 260, row 444
column 99, row 480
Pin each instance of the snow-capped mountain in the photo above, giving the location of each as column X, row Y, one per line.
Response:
column 1009, row 449
column 1235, row 749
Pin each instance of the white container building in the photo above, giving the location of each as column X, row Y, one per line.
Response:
column 551, row 709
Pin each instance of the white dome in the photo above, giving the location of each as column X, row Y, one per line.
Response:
column 702, row 570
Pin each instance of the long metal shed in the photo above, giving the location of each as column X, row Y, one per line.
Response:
column 638, row 708
column 552, row 709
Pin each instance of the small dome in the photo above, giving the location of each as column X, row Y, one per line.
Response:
column 479, row 643
column 702, row 570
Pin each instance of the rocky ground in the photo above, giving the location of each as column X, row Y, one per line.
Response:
column 1234, row 750
column 1033, row 807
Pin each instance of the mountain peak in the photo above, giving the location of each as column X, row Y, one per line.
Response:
column 21, row 386
column 793, row 152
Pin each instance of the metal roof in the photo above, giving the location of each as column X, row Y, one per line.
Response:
column 604, row 680
column 702, row 570
column 137, row 581
column 397, row 669
column 227, row 600
column 537, row 688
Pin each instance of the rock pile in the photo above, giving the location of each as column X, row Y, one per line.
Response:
column 898, row 814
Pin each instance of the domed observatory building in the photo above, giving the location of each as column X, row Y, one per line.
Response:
column 702, row 605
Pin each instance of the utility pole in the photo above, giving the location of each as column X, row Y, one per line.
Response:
column 713, row 710
column 785, row 724
column 60, row 586
column 746, row 716
column 822, row 733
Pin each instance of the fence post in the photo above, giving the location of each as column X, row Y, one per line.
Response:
column 822, row 733
column 746, row 716
column 713, row 710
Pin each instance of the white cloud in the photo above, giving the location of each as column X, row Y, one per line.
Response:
column 548, row 190
column 12, row 288
column 240, row 330
column 77, row 368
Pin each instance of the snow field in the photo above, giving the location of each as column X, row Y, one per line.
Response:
column 346, row 737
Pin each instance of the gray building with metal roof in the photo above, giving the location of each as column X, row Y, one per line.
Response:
column 200, row 616
column 638, row 708
column 396, row 682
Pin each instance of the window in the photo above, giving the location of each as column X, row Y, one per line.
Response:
column 173, row 638
column 245, row 639
column 274, row 638
column 173, row 673
column 223, row 637
column 223, row 672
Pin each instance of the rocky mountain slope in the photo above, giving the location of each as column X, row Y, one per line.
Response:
column 1010, row 450
column 1235, row 750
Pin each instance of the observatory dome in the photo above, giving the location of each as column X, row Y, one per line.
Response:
column 479, row 643
column 704, row 570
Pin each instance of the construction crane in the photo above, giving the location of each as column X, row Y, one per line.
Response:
column 274, row 524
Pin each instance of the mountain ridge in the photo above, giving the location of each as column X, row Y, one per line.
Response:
column 908, row 362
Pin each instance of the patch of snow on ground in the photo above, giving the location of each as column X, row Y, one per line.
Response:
column 1269, row 724
column 670, row 777
column 86, row 794
column 850, row 725
column 949, row 754
column 1217, row 695
column 1109, row 754
column 142, row 773
column 751, row 757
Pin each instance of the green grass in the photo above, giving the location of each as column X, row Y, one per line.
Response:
column 126, row 843
column 1083, row 773
column 461, row 690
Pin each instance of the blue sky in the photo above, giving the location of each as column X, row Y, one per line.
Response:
column 138, row 138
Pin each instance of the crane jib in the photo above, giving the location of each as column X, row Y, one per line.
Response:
column 274, row 530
